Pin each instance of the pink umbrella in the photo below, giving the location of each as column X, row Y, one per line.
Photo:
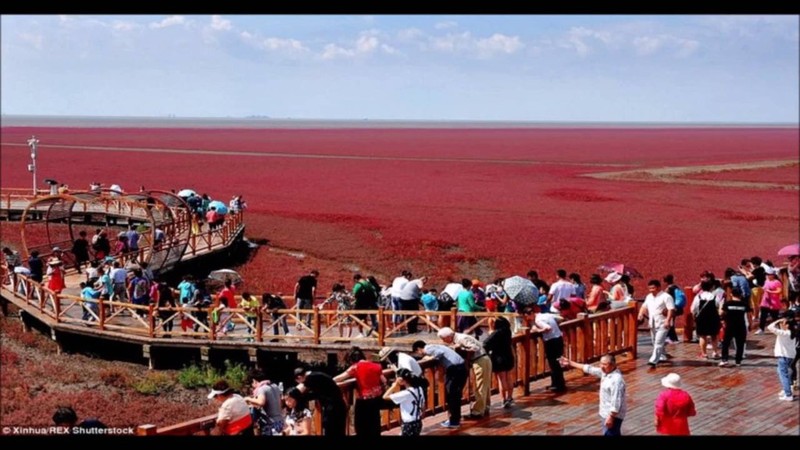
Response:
column 620, row 268
column 790, row 250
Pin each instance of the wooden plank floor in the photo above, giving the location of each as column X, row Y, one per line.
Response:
column 729, row 400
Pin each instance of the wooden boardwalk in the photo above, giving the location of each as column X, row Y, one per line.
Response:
column 729, row 400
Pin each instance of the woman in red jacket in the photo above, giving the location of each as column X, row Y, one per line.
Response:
column 674, row 406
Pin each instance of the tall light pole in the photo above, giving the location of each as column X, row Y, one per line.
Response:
column 32, row 143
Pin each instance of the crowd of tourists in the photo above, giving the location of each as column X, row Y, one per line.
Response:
column 748, row 297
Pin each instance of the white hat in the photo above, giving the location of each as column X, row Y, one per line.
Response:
column 385, row 352
column 445, row 332
column 613, row 277
column 215, row 393
column 672, row 381
column 771, row 271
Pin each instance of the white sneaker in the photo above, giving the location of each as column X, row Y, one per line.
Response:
column 288, row 334
column 723, row 363
column 662, row 358
column 359, row 335
column 785, row 398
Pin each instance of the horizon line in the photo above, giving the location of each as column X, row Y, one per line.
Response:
column 244, row 121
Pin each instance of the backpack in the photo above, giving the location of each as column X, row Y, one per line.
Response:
column 680, row 298
column 366, row 297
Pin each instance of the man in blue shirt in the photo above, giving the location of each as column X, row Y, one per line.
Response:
column 455, row 376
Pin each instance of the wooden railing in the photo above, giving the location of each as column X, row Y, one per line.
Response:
column 586, row 339
column 7, row 195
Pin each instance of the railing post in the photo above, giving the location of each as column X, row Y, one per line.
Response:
column 688, row 318
column 102, row 311
column 146, row 430
column 317, row 325
column 633, row 334
column 453, row 318
column 212, row 327
column 57, row 306
column 151, row 320
column 588, row 338
column 527, row 357
column 259, row 325
column 381, row 326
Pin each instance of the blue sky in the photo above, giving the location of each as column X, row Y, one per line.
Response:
column 524, row 68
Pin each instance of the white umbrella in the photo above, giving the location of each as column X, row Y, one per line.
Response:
column 224, row 275
column 186, row 193
column 453, row 289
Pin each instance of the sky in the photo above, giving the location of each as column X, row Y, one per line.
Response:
column 573, row 68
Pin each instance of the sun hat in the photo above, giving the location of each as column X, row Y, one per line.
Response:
column 219, row 388
column 385, row 352
column 215, row 393
column 613, row 277
column 54, row 262
column 445, row 332
column 672, row 381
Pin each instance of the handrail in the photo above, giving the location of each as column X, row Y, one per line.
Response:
column 586, row 339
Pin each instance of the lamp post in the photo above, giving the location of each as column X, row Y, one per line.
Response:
column 32, row 143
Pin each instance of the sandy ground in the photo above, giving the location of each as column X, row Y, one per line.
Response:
column 676, row 174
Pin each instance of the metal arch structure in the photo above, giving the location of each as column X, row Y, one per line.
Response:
column 175, row 221
column 156, row 210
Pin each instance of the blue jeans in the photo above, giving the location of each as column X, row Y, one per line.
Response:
column 783, row 374
column 615, row 429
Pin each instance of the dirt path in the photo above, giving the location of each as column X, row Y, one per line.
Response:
column 676, row 175
column 320, row 156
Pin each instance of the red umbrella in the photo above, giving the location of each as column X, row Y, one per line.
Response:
column 790, row 250
column 620, row 268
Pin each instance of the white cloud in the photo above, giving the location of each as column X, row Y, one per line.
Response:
column 647, row 45
column 452, row 42
column 290, row 45
column 119, row 25
column 368, row 42
column 580, row 38
column 754, row 26
column 445, row 25
column 220, row 24
column 333, row 51
column 465, row 43
column 35, row 40
column 409, row 34
column 498, row 43
column 168, row 22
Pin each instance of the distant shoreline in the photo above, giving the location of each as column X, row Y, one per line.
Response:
column 268, row 123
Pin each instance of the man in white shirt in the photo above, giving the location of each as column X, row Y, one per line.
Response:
column 612, row 392
column 399, row 360
column 660, row 308
column 561, row 289
column 397, row 287
column 410, row 299
column 546, row 324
